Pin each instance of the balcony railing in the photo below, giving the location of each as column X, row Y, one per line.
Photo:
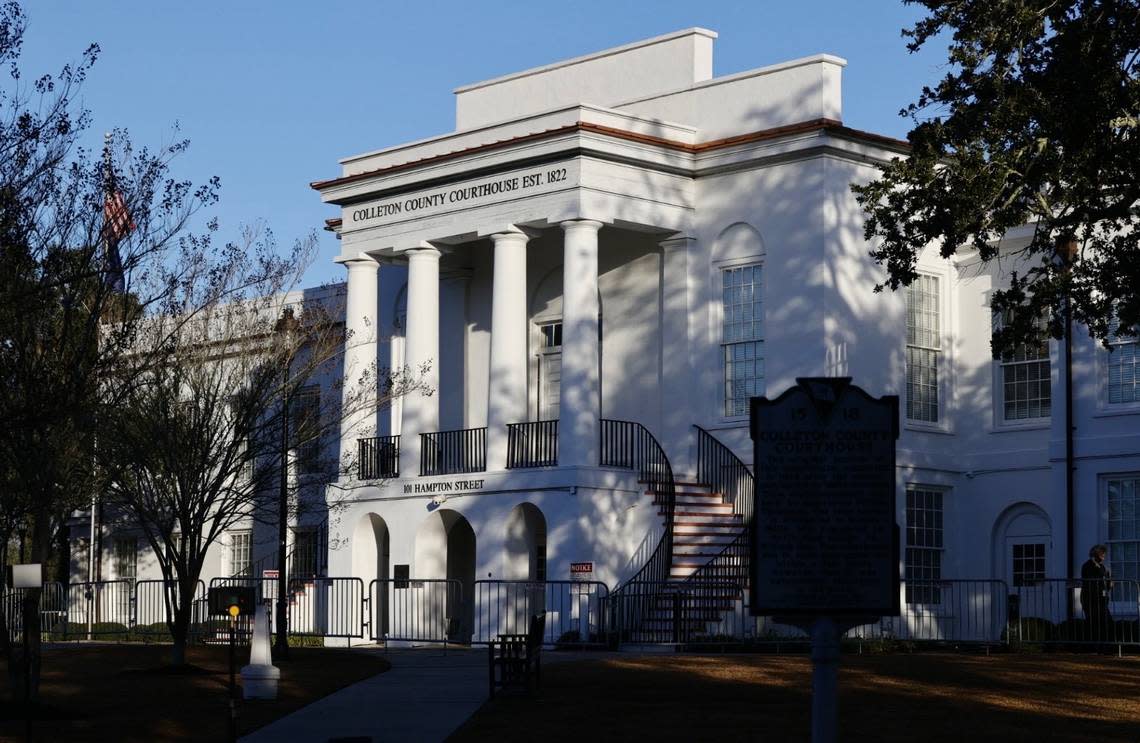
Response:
column 453, row 452
column 379, row 457
column 533, row 444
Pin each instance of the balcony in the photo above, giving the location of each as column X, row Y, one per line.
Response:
column 453, row 452
column 533, row 444
column 379, row 457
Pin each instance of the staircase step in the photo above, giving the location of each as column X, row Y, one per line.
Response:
column 718, row 539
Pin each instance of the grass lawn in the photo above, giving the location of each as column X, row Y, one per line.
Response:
column 126, row 692
column 927, row 697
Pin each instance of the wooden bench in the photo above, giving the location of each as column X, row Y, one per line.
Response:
column 515, row 661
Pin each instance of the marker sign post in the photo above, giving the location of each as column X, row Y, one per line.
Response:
column 824, row 537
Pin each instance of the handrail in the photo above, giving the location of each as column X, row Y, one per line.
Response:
column 720, row 468
column 724, row 472
column 629, row 444
column 379, row 457
column 453, row 452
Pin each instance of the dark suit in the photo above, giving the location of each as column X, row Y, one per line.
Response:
column 1095, row 587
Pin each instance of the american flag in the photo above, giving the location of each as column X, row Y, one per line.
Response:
column 117, row 224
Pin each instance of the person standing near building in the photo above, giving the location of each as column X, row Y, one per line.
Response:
column 1096, row 584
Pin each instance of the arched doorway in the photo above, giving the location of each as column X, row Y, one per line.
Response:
column 1023, row 558
column 445, row 550
column 525, row 560
column 370, row 562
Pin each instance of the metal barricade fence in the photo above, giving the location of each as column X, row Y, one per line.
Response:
column 100, row 608
column 687, row 613
column 575, row 610
column 1073, row 611
column 154, row 607
column 326, row 607
column 418, row 610
column 52, row 609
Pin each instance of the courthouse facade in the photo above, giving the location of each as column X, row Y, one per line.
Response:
column 618, row 251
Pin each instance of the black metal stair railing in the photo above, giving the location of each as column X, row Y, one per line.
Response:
column 719, row 468
column 453, row 452
column 379, row 457
column 532, row 444
column 631, row 445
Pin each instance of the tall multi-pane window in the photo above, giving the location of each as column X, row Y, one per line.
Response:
column 1124, row 534
column 1123, row 367
column 1025, row 379
column 304, row 553
column 126, row 551
column 549, row 370
column 241, row 550
column 923, row 348
column 923, row 545
column 742, row 337
column 305, row 423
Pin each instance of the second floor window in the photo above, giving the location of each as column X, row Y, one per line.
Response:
column 305, row 429
column 923, row 349
column 1123, row 367
column 1024, row 379
column 742, row 337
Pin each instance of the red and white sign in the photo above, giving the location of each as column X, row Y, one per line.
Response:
column 270, row 574
column 581, row 570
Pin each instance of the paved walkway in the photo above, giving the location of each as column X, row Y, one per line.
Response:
column 424, row 697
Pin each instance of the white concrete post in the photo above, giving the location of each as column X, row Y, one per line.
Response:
column 358, row 401
column 421, row 349
column 580, row 403
column 676, row 362
column 506, row 386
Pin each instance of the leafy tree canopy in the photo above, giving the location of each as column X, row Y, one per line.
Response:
column 1036, row 122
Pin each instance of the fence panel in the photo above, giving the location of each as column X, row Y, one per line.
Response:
column 575, row 610
column 418, row 610
column 100, row 608
column 326, row 607
column 53, row 609
column 154, row 602
column 1073, row 611
column 690, row 613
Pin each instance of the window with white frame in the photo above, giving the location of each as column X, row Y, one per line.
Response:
column 1024, row 383
column 923, row 545
column 1028, row 564
column 126, row 552
column 923, row 349
column 305, row 423
column 549, row 370
column 1123, row 496
column 241, row 551
column 1123, row 367
column 742, row 337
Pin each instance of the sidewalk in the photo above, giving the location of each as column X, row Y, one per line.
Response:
column 424, row 697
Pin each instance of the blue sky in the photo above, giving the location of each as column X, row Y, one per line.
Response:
column 272, row 93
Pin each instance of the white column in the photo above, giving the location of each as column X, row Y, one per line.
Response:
column 421, row 356
column 358, row 392
column 580, row 403
column 506, row 386
column 677, row 381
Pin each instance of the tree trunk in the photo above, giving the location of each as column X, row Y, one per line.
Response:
column 180, row 627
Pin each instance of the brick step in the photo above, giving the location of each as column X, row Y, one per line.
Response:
column 709, row 508
column 717, row 539
column 696, row 550
column 706, row 519
column 701, row 498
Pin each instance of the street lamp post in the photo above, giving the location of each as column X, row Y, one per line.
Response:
column 284, row 329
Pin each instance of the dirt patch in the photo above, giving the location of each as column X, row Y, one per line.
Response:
column 128, row 693
column 929, row 697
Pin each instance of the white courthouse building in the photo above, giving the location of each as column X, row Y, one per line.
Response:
column 612, row 254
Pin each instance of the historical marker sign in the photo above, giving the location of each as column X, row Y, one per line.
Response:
column 824, row 538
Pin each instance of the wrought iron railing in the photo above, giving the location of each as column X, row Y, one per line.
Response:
column 719, row 468
column 453, row 452
column 379, row 457
column 631, row 445
column 533, row 444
